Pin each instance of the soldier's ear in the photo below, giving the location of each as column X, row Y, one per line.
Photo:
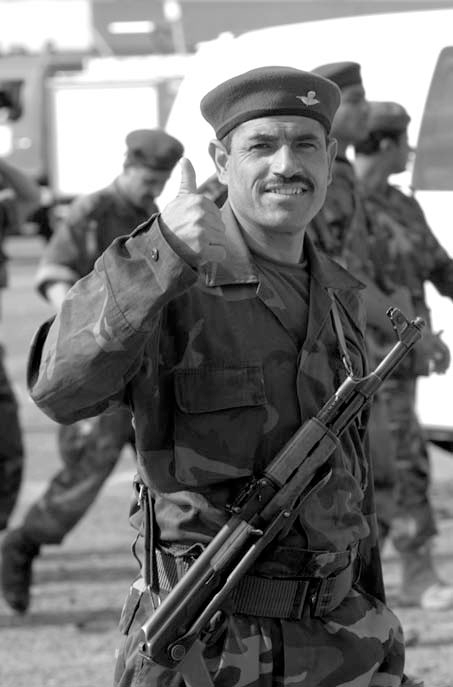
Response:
column 220, row 156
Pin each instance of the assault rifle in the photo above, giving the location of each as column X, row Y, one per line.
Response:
column 171, row 636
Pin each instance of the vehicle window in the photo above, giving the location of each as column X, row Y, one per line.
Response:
column 11, row 99
column 433, row 168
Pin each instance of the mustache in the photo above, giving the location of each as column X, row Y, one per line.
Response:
column 278, row 182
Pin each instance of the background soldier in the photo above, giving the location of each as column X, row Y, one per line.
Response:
column 414, row 257
column 90, row 448
column 19, row 196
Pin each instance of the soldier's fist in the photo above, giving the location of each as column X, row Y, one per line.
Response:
column 192, row 224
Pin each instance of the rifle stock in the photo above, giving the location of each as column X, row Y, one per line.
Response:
column 262, row 510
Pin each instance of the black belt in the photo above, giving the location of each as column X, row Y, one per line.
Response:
column 272, row 597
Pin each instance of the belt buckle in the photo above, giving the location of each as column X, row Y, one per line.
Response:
column 300, row 600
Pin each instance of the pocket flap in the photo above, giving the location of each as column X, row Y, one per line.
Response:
column 208, row 389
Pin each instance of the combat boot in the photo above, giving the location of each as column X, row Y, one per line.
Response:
column 18, row 552
column 420, row 584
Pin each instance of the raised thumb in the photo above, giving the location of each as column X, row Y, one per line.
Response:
column 188, row 182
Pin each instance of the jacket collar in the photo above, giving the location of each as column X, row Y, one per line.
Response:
column 239, row 268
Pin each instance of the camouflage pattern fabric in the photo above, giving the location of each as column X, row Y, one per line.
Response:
column 89, row 450
column 11, row 448
column 92, row 223
column 358, row 644
column 217, row 386
column 11, row 443
column 408, row 515
column 414, row 256
column 340, row 229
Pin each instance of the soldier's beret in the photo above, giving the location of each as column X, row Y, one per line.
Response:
column 268, row 91
column 153, row 148
column 342, row 73
column 387, row 116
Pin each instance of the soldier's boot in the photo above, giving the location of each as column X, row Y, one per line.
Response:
column 18, row 553
column 420, row 583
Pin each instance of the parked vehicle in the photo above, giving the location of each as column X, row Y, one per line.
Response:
column 64, row 117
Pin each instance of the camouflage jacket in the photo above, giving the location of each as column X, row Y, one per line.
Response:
column 92, row 223
column 215, row 382
column 406, row 253
column 340, row 229
column 413, row 255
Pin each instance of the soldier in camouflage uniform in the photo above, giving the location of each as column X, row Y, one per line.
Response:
column 216, row 328
column 19, row 196
column 414, row 257
column 342, row 230
column 89, row 448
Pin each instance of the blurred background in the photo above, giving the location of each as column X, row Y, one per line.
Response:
column 75, row 77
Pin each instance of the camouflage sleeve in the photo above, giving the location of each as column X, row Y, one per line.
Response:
column 70, row 254
column 441, row 266
column 81, row 362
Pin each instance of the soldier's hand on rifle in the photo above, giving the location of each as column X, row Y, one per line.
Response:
column 192, row 224
column 432, row 354
column 440, row 357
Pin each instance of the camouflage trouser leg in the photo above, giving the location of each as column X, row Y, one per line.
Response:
column 413, row 522
column 90, row 450
column 11, row 448
column 360, row 643
column 382, row 448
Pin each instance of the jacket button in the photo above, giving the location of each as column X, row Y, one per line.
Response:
column 155, row 254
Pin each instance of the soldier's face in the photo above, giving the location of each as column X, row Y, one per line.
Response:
column 351, row 118
column 145, row 184
column 277, row 171
column 401, row 154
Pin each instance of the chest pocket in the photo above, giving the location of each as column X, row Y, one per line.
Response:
column 218, row 424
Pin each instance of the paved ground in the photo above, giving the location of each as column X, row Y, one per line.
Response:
column 70, row 635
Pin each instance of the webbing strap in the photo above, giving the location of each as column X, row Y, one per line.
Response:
column 345, row 357
column 284, row 598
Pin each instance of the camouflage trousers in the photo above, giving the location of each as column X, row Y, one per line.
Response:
column 11, row 448
column 402, row 484
column 89, row 450
column 359, row 644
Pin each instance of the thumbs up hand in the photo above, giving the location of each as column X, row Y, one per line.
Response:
column 192, row 224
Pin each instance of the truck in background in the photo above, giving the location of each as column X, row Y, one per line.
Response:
column 64, row 118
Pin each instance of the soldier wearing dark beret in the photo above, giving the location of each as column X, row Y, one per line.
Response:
column 225, row 329
column 153, row 148
column 90, row 449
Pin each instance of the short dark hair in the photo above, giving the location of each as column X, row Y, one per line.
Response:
column 371, row 144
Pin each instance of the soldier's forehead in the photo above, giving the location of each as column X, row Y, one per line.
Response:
column 277, row 124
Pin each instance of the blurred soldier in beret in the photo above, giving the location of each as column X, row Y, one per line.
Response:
column 414, row 257
column 223, row 330
column 90, row 448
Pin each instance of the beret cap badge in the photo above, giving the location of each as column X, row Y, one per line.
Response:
column 267, row 92
column 309, row 99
